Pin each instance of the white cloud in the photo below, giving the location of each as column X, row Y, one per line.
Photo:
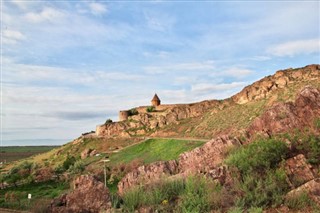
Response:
column 207, row 87
column 159, row 21
column 47, row 14
column 292, row 48
column 237, row 72
column 12, row 36
column 97, row 8
column 206, row 65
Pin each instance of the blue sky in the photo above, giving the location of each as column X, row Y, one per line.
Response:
column 69, row 65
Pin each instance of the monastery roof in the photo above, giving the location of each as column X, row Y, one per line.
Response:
column 155, row 98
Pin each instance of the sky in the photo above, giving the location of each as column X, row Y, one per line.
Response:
column 67, row 66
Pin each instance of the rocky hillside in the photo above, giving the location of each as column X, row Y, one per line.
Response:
column 257, row 150
column 274, row 166
column 208, row 118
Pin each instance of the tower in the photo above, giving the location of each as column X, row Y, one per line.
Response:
column 155, row 100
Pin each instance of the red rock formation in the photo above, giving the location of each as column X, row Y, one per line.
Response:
column 298, row 170
column 89, row 195
column 147, row 174
column 286, row 117
column 264, row 87
column 205, row 160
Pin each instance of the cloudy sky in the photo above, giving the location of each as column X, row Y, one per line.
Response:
column 70, row 65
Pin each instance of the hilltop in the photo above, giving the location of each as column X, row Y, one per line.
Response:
column 213, row 143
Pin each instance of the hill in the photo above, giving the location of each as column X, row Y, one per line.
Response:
column 232, row 149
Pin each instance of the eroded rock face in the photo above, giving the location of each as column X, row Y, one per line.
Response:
column 147, row 174
column 298, row 170
column 285, row 117
column 261, row 89
column 89, row 195
column 167, row 114
column 312, row 188
column 203, row 160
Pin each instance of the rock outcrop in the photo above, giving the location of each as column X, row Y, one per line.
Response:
column 147, row 174
column 206, row 160
column 298, row 171
column 286, row 117
column 263, row 88
column 145, row 121
column 312, row 188
column 94, row 197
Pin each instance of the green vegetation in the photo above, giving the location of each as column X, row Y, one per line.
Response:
column 317, row 123
column 154, row 150
column 14, row 153
column 193, row 195
column 150, row 109
column 309, row 145
column 17, row 198
column 261, row 181
column 108, row 121
column 299, row 201
column 133, row 111
column 258, row 156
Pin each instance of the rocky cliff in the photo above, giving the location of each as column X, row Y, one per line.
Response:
column 264, row 87
column 208, row 159
column 281, row 85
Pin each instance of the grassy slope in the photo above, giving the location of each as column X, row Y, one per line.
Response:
column 154, row 150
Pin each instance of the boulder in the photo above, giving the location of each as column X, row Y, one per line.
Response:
column 86, row 153
column 298, row 170
column 89, row 195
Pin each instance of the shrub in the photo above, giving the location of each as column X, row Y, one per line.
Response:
column 77, row 167
column 196, row 196
column 133, row 111
column 154, row 195
column 258, row 156
column 133, row 199
column 70, row 160
column 150, row 109
column 262, row 191
column 108, row 121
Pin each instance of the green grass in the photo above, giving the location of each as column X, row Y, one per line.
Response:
column 44, row 190
column 154, row 150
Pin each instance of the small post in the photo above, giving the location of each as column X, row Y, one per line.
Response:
column 105, row 171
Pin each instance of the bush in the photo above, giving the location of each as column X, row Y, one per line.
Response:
column 133, row 111
column 196, row 196
column 70, row 160
column 108, row 121
column 262, row 191
column 154, row 195
column 258, row 156
column 77, row 167
column 133, row 199
column 150, row 109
